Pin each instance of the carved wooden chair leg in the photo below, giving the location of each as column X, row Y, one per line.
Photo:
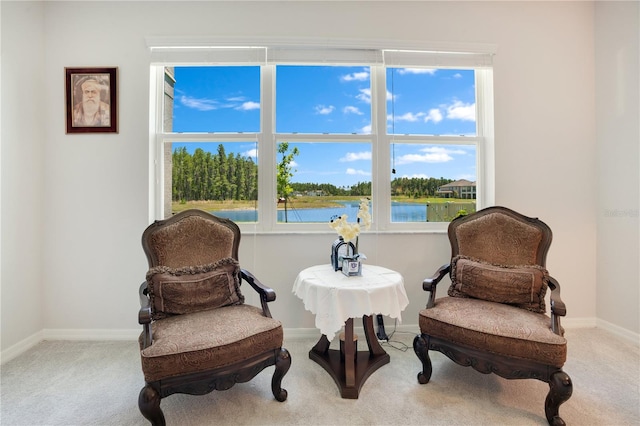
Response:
column 421, row 348
column 560, row 390
column 283, row 362
column 149, row 405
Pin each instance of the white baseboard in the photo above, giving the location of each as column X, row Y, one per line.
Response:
column 569, row 323
column 21, row 347
column 90, row 334
column 619, row 331
column 289, row 333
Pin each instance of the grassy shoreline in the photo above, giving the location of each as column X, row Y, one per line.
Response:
column 297, row 202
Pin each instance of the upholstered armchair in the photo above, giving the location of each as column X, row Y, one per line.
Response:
column 494, row 317
column 198, row 334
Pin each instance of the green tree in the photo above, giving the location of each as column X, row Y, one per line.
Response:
column 285, row 173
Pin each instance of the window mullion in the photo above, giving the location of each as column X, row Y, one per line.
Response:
column 381, row 179
column 267, row 213
column 486, row 149
column 156, row 144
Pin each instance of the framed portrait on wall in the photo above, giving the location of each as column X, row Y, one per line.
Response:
column 91, row 100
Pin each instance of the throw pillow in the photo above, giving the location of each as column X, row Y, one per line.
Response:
column 194, row 288
column 522, row 286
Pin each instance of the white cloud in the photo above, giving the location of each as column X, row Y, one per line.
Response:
column 457, row 75
column 390, row 96
column 356, row 76
column 429, row 71
column 324, row 110
column 440, row 157
column 199, row 104
column 253, row 153
column 416, row 176
column 351, row 171
column 469, row 177
column 461, row 111
column 435, row 154
column 439, row 149
column 366, row 130
column 351, row 110
column 203, row 104
column 356, row 156
column 409, row 116
column 248, row 106
column 364, row 95
column 434, row 115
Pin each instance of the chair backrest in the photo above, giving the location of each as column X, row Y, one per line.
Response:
column 500, row 236
column 191, row 237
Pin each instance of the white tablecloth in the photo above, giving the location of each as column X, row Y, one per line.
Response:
column 334, row 298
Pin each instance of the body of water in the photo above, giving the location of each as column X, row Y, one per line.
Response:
column 400, row 212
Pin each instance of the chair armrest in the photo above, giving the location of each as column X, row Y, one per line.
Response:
column 144, row 315
column 429, row 284
column 558, row 308
column 267, row 294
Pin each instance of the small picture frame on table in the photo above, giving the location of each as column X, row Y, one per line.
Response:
column 91, row 100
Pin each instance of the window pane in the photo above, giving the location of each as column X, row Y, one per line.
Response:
column 432, row 183
column 221, row 178
column 323, row 99
column 327, row 179
column 216, row 99
column 424, row 101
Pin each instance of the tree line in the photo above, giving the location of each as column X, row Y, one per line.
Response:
column 208, row 176
column 220, row 176
column 409, row 187
column 417, row 187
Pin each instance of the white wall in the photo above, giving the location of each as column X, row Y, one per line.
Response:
column 24, row 107
column 618, row 138
column 94, row 198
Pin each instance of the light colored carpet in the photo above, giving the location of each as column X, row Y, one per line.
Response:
column 97, row 383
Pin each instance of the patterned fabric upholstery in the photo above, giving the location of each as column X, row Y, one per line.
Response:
column 194, row 288
column 495, row 328
column 517, row 243
column 198, row 335
column 500, row 249
column 193, row 240
column 522, row 286
column 494, row 319
column 204, row 340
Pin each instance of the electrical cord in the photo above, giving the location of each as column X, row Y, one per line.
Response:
column 395, row 344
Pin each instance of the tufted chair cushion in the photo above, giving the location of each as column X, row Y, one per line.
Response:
column 204, row 341
column 495, row 328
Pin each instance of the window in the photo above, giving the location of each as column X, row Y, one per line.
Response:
column 428, row 103
column 216, row 176
column 331, row 126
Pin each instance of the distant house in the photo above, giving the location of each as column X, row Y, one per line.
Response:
column 459, row 189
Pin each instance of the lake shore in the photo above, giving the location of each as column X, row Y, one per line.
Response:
column 297, row 203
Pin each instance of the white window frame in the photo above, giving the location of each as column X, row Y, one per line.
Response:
column 377, row 55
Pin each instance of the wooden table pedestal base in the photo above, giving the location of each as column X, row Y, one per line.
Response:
column 352, row 371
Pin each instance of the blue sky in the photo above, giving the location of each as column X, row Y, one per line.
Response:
column 336, row 100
